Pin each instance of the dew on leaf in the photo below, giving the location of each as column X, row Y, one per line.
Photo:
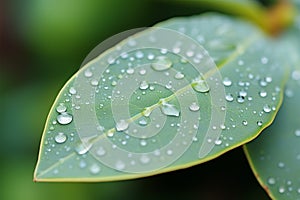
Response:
column 169, row 109
column 297, row 132
column 61, row 108
column 240, row 99
column 130, row 71
column 95, row 169
column 161, row 63
column 88, row 73
column 243, row 93
column 200, row 85
column 263, row 93
column 120, row 165
column 267, row 108
column 122, row 125
column 227, row 81
column 271, row 181
column 259, row 123
column 101, row 151
column 144, row 85
column 82, row 148
column 64, row 118
column 194, row 107
column 144, row 159
column 245, row 123
column 296, row 75
column 72, row 90
column 143, row 142
column 229, row 97
column 60, row 138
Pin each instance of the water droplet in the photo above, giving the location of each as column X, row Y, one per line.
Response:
column 147, row 112
column 94, row 82
column 200, row 85
column 72, row 90
column 143, row 122
column 61, row 108
column 60, row 138
column 179, row 75
column 243, row 93
column 259, row 123
column 245, row 123
column 229, row 97
column 142, row 72
column 169, row 152
column 268, row 79
column 264, row 60
column 95, row 169
column 144, row 85
column 161, row 63
column 227, row 81
column 263, row 93
column 194, row 107
column 218, row 142
column 143, row 142
column 120, row 165
column 130, row 71
column 267, row 108
column 101, row 151
column 144, row 159
column 64, row 118
column 281, row 189
column 169, row 109
column 82, row 148
column 296, row 75
column 271, row 181
column 82, row 164
column 122, row 125
column 139, row 54
column 240, row 99
column 297, row 132
column 88, row 73
column 281, row 164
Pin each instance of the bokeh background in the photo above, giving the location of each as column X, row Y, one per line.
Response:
column 42, row 44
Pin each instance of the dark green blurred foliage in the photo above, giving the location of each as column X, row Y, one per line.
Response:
column 43, row 43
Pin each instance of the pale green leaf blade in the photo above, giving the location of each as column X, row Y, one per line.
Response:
column 275, row 155
column 153, row 110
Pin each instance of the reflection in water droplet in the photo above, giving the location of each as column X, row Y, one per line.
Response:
column 229, row 97
column 144, row 85
column 179, row 75
column 161, row 63
column 227, row 81
column 169, row 109
column 95, row 169
column 122, row 125
column 194, row 107
column 61, row 108
column 64, row 118
column 200, row 85
column 60, row 138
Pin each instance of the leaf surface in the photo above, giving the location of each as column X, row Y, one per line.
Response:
column 275, row 155
column 167, row 98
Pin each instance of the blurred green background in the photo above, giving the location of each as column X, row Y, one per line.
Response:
column 42, row 44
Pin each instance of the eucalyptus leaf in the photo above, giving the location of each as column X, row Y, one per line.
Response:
column 170, row 97
column 275, row 155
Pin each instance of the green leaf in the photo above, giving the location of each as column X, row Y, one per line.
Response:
column 157, row 102
column 275, row 155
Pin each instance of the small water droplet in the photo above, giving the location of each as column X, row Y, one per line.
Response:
column 179, row 75
column 72, row 90
column 296, row 75
column 271, row 181
column 122, row 125
column 161, row 63
column 101, row 151
column 82, row 164
column 281, row 189
column 120, row 165
column 82, row 148
column 130, row 71
column 95, row 169
column 139, row 54
column 268, row 79
column 144, row 85
column 194, row 107
column 144, row 159
column 143, row 142
column 143, row 122
column 169, row 152
column 227, row 82
column 243, row 93
column 200, row 85
column 297, row 132
column 267, row 108
column 264, row 60
column 60, row 138
column 263, row 93
column 240, row 99
column 245, row 123
column 142, row 72
column 218, row 142
column 61, row 108
column 229, row 97
column 169, row 109
column 88, row 73
column 281, row 164
column 64, row 118
column 259, row 123
column 147, row 112
column 94, row 82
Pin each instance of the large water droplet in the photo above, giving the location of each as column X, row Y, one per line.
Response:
column 60, row 138
column 194, row 107
column 227, row 81
column 169, row 109
column 144, row 85
column 161, row 63
column 64, row 118
column 200, row 85
column 122, row 125
column 267, row 108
